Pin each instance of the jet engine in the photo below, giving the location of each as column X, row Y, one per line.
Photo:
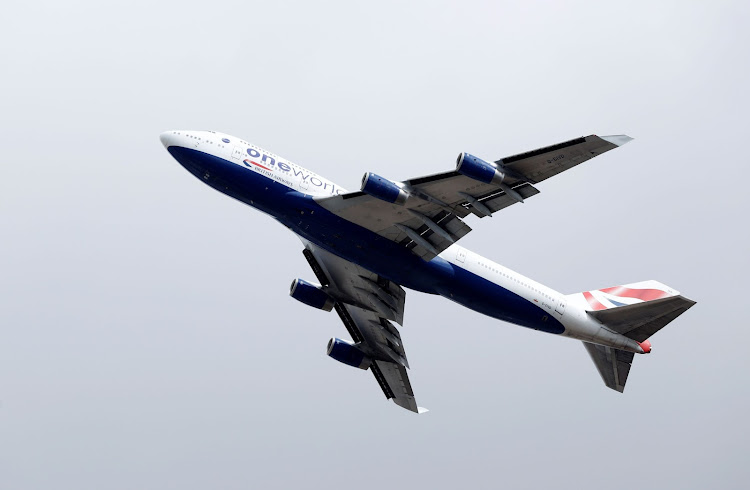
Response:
column 348, row 353
column 477, row 169
column 383, row 189
column 311, row 295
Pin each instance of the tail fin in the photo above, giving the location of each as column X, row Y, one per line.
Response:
column 636, row 311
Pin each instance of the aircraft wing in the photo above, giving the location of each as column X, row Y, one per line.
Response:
column 365, row 303
column 430, row 219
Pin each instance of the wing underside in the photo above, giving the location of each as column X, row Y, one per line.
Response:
column 366, row 304
column 431, row 219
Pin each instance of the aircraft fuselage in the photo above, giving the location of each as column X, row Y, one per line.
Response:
column 288, row 193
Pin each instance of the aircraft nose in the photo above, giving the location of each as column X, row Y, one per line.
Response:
column 168, row 138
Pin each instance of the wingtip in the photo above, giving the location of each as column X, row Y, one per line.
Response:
column 617, row 139
column 422, row 410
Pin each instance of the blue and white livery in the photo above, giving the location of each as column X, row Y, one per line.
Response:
column 365, row 247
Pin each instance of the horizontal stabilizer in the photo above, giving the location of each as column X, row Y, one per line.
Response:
column 641, row 320
column 613, row 365
column 636, row 311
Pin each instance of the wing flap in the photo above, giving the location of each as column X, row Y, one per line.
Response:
column 501, row 200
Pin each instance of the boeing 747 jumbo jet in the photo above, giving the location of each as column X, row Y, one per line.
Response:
column 365, row 247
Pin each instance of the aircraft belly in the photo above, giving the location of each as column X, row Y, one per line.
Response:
column 368, row 249
column 491, row 299
column 231, row 179
column 300, row 213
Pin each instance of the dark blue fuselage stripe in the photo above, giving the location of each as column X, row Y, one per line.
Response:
column 301, row 214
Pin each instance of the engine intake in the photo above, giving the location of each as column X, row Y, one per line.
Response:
column 311, row 295
column 477, row 169
column 383, row 189
column 348, row 353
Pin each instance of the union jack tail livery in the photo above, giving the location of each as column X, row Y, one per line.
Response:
column 629, row 294
column 636, row 311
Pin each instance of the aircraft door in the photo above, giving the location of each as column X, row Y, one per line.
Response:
column 560, row 308
column 237, row 153
column 461, row 255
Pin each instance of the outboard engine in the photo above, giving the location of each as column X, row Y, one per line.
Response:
column 477, row 169
column 348, row 353
column 383, row 189
column 311, row 295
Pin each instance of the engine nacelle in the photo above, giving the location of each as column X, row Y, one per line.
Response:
column 311, row 295
column 383, row 189
column 348, row 353
column 477, row 169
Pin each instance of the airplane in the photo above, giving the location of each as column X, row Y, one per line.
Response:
column 364, row 247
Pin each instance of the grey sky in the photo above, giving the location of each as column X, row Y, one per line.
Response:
column 148, row 339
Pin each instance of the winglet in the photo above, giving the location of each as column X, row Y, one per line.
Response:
column 422, row 410
column 617, row 139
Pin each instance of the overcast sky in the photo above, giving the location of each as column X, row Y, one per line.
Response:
column 147, row 336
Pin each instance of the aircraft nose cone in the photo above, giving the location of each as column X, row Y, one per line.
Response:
column 167, row 139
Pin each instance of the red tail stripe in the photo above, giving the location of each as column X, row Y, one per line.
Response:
column 644, row 294
column 596, row 305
